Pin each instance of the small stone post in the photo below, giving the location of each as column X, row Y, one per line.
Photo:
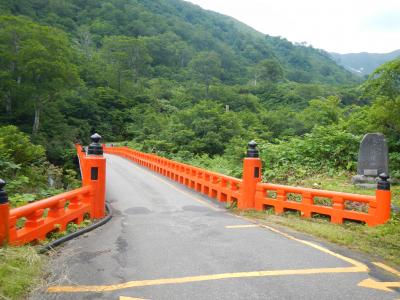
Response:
column 4, row 215
column 251, row 176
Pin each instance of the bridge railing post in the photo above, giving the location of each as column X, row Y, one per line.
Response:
column 251, row 176
column 383, row 200
column 94, row 174
column 4, row 215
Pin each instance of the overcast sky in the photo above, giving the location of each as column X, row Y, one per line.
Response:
column 343, row 26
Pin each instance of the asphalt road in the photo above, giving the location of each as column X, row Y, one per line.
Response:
column 167, row 242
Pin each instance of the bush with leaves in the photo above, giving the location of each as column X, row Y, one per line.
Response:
column 28, row 174
column 325, row 149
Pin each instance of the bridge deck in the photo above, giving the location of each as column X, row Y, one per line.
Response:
column 167, row 242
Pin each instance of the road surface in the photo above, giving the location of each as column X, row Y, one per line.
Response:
column 167, row 242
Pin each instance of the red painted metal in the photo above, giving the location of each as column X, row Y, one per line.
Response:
column 4, row 223
column 34, row 221
column 221, row 187
column 51, row 214
column 250, row 193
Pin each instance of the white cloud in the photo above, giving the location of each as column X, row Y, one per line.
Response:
column 341, row 26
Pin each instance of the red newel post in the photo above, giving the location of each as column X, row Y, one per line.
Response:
column 4, row 215
column 94, row 174
column 251, row 176
column 383, row 200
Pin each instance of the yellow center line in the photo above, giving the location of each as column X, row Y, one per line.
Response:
column 387, row 268
column 154, row 282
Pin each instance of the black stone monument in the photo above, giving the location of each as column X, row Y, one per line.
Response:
column 373, row 159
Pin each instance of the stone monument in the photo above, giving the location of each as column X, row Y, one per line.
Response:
column 373, row 159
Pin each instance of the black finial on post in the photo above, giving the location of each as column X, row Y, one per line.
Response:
column 95, row 148
column 252, row 151
column 3, row 194
column 383, row 183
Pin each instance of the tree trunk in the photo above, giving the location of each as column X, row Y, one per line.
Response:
column 136, row 74
column 255, row 78
column 36, row 122
column 8, row 103
column 119, row 80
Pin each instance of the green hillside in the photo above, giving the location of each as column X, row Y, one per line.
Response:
column 191, row 30
column 172, row 78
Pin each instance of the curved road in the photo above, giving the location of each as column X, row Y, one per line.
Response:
column 167, row 242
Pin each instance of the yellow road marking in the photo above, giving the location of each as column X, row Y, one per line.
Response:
column 154, row 282
column 387, row 268
column 356, row 267
column 383, row 286
column 241, row 226
column 310, row 244
column 347, row 259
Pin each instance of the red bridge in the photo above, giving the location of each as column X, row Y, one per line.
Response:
column 183, row 202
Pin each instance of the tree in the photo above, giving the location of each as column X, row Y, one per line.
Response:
column 322, row 112
column 127, row 55
column 12, row 31
column 384, row 81
column 268, row 70
column 84, row 41
column 40, row 63
column 384, row 86
column 206, row 67
column 209, row 127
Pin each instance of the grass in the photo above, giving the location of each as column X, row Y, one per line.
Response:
column 342, row 183
column 381, row 242
column 20, row 270
column 21, row 267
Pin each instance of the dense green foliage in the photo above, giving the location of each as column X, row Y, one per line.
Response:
column 194, row 85
column 175, row 31
column 28, row 174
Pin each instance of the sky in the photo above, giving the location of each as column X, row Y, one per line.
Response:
column 343, row 26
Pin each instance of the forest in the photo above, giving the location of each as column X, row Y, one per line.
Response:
column 167, row 77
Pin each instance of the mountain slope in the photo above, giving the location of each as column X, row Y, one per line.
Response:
column 239, row 46
column 363, row 63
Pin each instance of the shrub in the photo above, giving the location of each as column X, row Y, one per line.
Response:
column 325, row 149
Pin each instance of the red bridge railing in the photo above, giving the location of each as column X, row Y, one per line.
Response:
column 215, row 185
column 34, row 221
column 250, row 193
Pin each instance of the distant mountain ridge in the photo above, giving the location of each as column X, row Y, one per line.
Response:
column 363, row 63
